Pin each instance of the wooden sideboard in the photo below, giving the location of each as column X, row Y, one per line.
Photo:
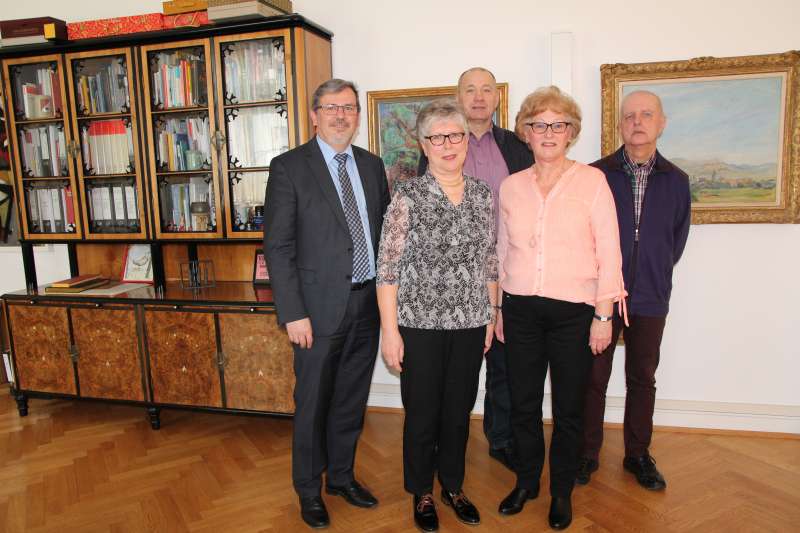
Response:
column 216, row 349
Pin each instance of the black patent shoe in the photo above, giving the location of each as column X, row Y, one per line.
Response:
column 354, row 494
column 314, row 512
column 465, row 510
column 560, row 516
column 515, row 501
column 644, row 468
column 585, row 470
column 425, row 516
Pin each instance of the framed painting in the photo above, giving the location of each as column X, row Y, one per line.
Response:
column 730, row 126
column 392, row 117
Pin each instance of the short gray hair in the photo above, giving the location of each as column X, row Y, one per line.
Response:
column 333, row 86
column 439, row 109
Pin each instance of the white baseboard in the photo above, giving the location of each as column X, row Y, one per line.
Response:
column 674, row 413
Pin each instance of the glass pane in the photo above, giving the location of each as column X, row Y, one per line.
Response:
column 101, row 85
column 178, row 78
column 107, row 147
column 187, row 203
column 37, row 91
column 248, row 190
column 50, row 207
column 112, row 206
column 183, row 143
column 256, row 135
column 43, row 150
column 254, row 71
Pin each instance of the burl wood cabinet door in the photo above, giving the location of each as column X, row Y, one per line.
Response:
column 183, row 358
column 109, row 365
column 259, row 363
column 40, row 337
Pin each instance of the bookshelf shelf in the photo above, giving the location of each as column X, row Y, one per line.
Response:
column 255, row 104
column 188, row 109
column 101, row 116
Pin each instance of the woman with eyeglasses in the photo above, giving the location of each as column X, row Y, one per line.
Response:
column 560, row 272
column 437, row 284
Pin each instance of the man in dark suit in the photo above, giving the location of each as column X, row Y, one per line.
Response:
column 324, row 210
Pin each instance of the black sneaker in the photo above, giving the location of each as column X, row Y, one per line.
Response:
column 585, row 470
column 644, row 468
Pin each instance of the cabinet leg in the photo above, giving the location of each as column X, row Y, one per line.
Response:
column 22, row 403
column 154, row 414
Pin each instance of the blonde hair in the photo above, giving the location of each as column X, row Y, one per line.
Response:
column 548, row 98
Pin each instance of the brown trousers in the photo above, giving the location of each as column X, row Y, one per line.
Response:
column 642, row 352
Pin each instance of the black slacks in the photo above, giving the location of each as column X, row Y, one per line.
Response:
column 540, row 332
column 642, row 353
column 439, row 384
column 330, row 394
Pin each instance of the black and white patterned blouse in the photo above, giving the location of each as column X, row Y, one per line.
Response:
column 440, row 255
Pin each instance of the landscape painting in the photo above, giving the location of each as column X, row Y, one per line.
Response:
column 726, row 134
column 730, row 125
column 392, row 117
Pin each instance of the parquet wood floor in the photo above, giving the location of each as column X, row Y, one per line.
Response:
column 91, row 467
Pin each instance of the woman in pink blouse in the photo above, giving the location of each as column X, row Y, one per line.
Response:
column 560, row 272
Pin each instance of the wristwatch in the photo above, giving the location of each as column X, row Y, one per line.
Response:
column 602, row 318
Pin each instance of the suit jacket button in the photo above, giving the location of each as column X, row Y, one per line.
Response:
column 348, row 277
column 349, row 249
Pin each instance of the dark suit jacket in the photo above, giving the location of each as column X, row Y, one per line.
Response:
column 515, row 153
column 307, row 242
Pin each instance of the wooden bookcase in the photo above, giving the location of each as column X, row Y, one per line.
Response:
column 161, row 139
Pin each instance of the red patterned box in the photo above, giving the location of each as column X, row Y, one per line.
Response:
column 185, row 20
column 89, row 29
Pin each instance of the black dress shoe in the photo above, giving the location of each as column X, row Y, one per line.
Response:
column 515, row 501
column 354, row 493
column 644, row 468
column 504, row 455
column 465, row 510
column 560, row 516
column 425, row 513
column 585, row 470
column 314, row 513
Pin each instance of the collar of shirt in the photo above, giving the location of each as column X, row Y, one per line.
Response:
column 631, row 167
column 328, row 153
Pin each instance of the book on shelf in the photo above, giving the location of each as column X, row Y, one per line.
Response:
column 179, row 79
column 184, row 144
column 50, row 289
column 187, row 205
column 105, row 91
column 107, row 146
column 38, row 98
column 76, row 281
column 113, row 205
column 243, row 10
column 50, row 209
column 43, row 150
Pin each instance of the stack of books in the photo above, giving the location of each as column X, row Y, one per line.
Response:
column 76, row 284
column 30, row 31
column 227, row 10
column 184, row 144
column 104, row 91
column 40, row 98
column 179, row 80
column 107, row 147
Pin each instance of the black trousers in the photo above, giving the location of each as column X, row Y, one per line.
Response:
column 642, row 353
column 541, row 332
column 439, row 384
column 497, row 403
column 330, row 394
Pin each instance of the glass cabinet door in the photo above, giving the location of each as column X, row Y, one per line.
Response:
column 181, row 127
column 109, row 168
column 43, row 149
column 256, row 107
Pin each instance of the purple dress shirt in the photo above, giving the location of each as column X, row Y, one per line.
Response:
column 485, row 162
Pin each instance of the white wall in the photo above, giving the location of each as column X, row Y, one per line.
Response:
column 730, row 352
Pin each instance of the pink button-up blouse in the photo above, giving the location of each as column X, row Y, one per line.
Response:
column 564, row 246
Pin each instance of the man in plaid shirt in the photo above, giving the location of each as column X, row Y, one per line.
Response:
column 653, row 211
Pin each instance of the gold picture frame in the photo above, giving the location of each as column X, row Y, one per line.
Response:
column 393, row 140
column 733, row 124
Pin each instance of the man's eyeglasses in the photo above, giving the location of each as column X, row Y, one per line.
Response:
column 438, row 140
column 541, row 127
column 333, row 109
